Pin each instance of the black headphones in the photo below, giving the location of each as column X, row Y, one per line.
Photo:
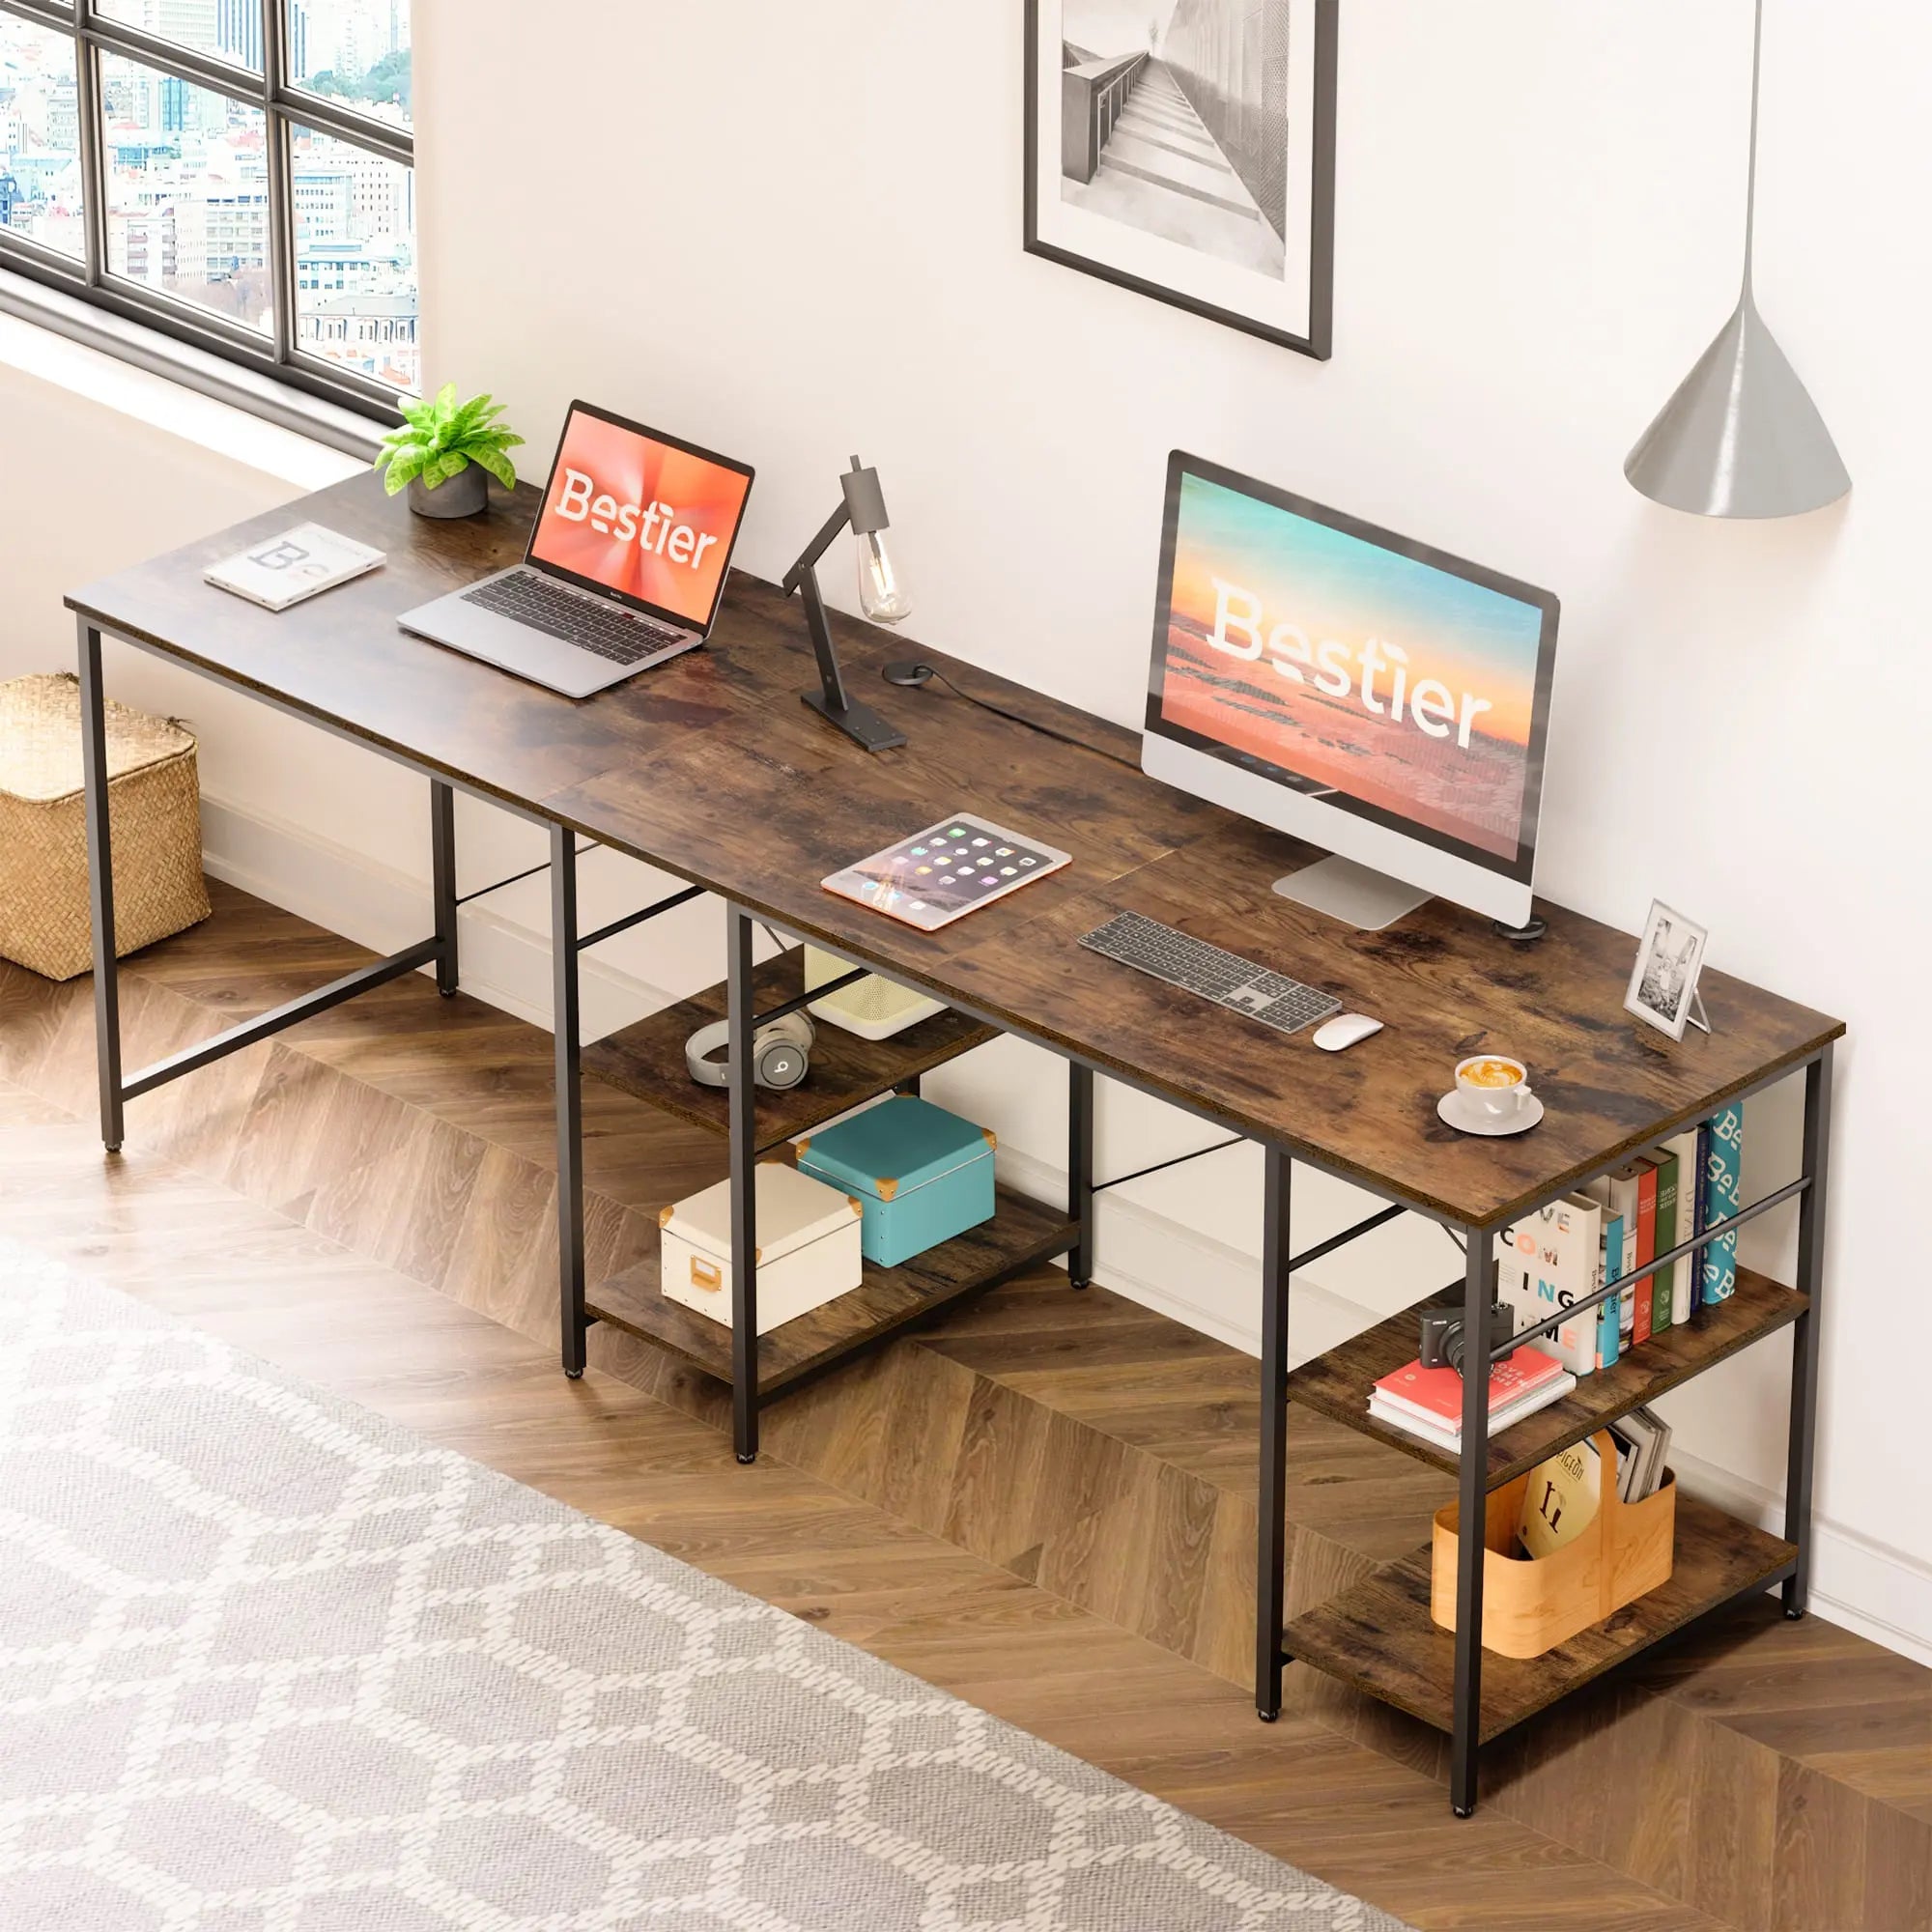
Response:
column 781, row 1052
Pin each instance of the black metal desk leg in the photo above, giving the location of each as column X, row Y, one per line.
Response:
column 744, row 1139
column 1080, row 1170
column 100, row 887
column 1472, row 1501
column 1804, row 1330
column 1271, row 1500
column 569, row 1097
column 442, row 882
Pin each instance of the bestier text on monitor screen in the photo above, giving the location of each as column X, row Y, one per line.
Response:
column 1391, row 688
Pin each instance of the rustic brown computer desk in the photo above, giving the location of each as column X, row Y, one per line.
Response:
column 711, row 770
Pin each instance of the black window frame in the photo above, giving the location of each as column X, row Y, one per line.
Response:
column 284, row 107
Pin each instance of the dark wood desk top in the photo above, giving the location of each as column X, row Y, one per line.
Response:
column 710, row 768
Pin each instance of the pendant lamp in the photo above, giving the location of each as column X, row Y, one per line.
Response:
column 1741, row 437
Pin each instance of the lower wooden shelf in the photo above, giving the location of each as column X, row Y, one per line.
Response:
column 1379, row 1638
column 1020, row 1233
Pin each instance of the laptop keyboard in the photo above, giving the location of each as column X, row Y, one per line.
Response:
column 605, row 630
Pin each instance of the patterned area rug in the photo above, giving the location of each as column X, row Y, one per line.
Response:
column 270, row 1664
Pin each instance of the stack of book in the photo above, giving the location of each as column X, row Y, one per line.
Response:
column 1618, row 1225
column 1643, row 1441
column 1428, row 1402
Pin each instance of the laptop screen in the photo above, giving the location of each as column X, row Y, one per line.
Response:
column 641, row 515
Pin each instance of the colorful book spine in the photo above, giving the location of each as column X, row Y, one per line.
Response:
column 1609, row 1314
column 1644, row 1320
column 1667, row 1237
column 1684, row 1274
column 1723, row 1139
column 1615, row 1195
column 1547, row 1262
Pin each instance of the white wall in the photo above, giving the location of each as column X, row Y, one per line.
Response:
column 793, row 232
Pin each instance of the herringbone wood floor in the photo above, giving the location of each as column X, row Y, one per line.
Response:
column 1044, row 1505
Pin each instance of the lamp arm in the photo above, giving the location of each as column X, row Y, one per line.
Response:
column 820, row 628
column 815, row 549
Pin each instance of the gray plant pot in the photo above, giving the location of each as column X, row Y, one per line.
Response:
column 463, row 495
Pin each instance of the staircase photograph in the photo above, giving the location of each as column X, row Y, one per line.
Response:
column 1186, row 134
column 1184, row 148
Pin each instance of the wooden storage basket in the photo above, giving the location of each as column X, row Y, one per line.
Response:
column 1529, row 1608
column 153, row 808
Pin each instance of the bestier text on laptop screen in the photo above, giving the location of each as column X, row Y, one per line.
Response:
column 641, row 517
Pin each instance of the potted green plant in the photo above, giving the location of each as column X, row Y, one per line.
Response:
column 447, row 451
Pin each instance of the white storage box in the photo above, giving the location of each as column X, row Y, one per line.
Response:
column 872, row 1008
column 807, row 1247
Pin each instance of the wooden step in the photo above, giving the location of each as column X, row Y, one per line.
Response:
column 1020, row 1233
column 647, row 1059
column 1380, row 1636
column 1338, row 1382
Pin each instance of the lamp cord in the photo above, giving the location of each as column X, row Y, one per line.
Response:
column 1032, row 723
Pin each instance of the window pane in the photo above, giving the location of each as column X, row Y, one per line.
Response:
column 187, row 191
column 231, row 29
column 355, row 53
column 356, row 257
column 40, row 137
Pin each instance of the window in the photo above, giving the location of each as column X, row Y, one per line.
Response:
column 239, row 173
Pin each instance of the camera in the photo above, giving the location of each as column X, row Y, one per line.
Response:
column 1443, row 1342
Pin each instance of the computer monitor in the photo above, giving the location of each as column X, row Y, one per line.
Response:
column 1353, row 688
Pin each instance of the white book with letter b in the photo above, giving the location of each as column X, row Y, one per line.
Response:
column 302, row 562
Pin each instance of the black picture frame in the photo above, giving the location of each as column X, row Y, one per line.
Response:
column 1318, row 342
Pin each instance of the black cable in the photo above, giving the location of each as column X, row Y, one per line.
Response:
column 920, row 674
column 1101, row 1186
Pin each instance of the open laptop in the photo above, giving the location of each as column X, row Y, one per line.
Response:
column 625, row 567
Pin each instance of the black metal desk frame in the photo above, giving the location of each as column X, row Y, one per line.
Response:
column 1278, row 1264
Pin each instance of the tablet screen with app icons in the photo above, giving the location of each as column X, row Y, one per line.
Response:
column 943, row 872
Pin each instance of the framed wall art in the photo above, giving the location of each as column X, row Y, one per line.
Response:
column 1185, row 149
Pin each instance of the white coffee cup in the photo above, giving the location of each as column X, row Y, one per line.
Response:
column 1496, row 1085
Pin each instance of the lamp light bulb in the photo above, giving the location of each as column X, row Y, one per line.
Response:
column 881, row 595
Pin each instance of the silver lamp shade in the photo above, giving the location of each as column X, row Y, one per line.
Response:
column 1742, row 437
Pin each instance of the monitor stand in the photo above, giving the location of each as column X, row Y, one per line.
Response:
column 1357, row 896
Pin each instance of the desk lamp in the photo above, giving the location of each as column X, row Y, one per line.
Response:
column 880, row 596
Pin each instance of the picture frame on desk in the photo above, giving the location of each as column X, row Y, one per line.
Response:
column 1664, row 982
column 1227, row 212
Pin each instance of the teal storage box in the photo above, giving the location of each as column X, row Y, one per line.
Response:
column 922, row 1175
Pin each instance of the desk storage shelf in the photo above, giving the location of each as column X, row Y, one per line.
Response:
column 1020, row 1233
column 1379, row 1638
column 647, row 1059
column 1338, row 1382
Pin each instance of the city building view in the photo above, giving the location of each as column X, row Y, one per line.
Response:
column 186, row 169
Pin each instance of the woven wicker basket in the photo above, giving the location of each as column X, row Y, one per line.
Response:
column 154, row 806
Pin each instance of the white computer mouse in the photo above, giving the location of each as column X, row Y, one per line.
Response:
column 1344, row 1029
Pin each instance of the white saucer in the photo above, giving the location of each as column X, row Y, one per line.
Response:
column 1465, row 1120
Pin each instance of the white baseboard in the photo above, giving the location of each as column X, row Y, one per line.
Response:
column 1882, row 1592
column 1868, row 1587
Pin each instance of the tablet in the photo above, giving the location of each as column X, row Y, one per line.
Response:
column 946, row 871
